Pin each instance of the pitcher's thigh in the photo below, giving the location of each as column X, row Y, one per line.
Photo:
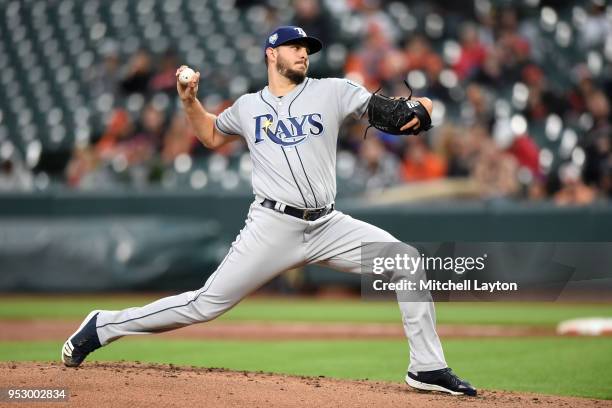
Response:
column 254, row 258
column 348, row 243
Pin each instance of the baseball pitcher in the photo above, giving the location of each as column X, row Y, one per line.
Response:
column 291, row 130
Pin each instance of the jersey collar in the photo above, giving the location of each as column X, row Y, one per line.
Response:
column 288, row 96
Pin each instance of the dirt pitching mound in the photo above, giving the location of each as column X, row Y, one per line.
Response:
column 144, row 385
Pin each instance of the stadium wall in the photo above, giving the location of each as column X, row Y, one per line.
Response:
column 98, row 241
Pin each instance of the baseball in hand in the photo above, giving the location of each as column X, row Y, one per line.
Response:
column 186, row 76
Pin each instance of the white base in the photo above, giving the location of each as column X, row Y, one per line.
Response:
column 591, row 326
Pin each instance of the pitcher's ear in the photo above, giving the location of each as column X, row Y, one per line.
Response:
column 270, row 52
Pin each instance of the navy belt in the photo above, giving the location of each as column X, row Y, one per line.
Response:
column 304, row 214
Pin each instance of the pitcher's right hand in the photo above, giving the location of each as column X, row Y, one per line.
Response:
column 187, row 93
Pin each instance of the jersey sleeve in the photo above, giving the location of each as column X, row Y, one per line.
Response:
column 353, row 98
column 228, row 122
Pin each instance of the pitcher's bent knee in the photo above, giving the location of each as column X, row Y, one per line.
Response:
column 205, row 307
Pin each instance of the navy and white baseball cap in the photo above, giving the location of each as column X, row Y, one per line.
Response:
column 286, row 34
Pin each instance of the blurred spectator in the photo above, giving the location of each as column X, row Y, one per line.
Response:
column 478, row 109
column 419, row 55
column 508, row 20
column 582, row 91
column 459, row 150
column 376, row 19
column 308, row 15
column 179, row 139
column 104, row 77
column 392, row 67
column 514, row 52
column 487, row 23
column 491, row 72
column 86, row 168
column 526, row 152
column 420, row 163
column 149, row 133
column 14, row 175
column 165, row 79
column 271, row 18
column 606, row 183
column 496, row 172
column 573, row 191
column 119, row 128
column 542, row 100
column 536, row 190
column 597, row 141
column 351, row 135
column 123, row 144
column 473, row 52
column 137, row 74
column 376, row 167
column 513, row 49
column 366, row 60
column 81, row 168
column 597, row 26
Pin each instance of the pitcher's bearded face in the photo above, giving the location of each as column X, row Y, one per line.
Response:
column 292, row 62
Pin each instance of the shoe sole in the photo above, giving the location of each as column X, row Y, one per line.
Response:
column 430, row 387
column 68, row 347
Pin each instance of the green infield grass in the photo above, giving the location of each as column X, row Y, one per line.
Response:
column 315, row 310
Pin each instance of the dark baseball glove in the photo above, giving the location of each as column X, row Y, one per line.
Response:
column 390, row 114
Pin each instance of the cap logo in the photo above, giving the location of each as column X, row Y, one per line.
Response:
column 301, row 32
column 272, row 39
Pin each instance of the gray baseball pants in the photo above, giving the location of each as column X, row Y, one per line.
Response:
column 269, row 244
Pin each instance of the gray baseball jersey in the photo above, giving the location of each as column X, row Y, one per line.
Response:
column 293, row 139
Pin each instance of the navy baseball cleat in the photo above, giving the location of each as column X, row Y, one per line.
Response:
column 82, row 342
column 443, row 380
